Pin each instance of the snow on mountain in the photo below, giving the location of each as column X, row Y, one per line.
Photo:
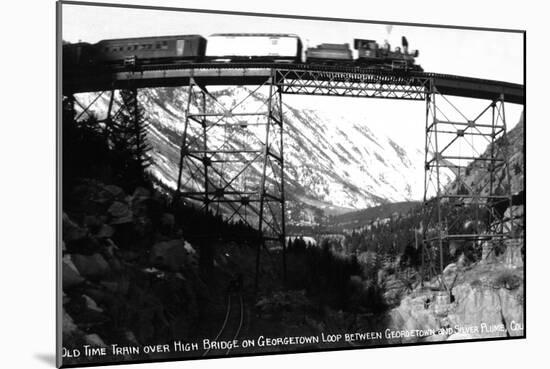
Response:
column 331, row 161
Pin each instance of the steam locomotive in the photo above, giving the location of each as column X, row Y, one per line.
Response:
column 238, row 47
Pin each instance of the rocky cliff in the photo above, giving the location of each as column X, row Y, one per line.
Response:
column 484, row 299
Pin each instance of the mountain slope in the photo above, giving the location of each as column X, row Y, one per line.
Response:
column 333, row 163
column 478, row 178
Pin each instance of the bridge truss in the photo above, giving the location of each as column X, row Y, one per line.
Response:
column 232, row 158
column 351, row 84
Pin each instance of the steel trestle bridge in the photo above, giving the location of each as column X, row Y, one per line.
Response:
column 254, row 192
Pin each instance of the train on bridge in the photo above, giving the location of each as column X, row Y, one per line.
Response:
column 237, row 47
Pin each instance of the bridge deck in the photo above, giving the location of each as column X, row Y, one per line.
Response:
column 293, row 78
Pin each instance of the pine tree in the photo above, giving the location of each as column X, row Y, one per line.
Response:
column 129, row 139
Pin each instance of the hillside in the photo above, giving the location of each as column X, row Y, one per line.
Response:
column 479, row 178
column 140, row 269
column 361, row 218
column 335, row 164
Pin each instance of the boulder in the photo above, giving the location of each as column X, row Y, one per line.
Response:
column 87, row 245
column 120, row 213
column 131, row 338
column 91, row 304
column 110, row 248
column 92, row 223
column 190, row 249
column 99, row 295
column 118, row 209
column 114, row 191
column 141, row 193
column 139, row 205
column 94, row 340
column 91, row 266
column 70, row 275
column 128, row 255
column 173, row 255
column 106, row 231
column 69, row 328
column 71, row 231
column 119, row 285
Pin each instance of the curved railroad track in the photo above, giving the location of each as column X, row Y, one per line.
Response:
column 295, row 66
column 232, row 324
column 107, row 77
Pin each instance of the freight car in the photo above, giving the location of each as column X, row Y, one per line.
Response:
column 255, row 47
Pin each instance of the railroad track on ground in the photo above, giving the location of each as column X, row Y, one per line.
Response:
column 232, row 324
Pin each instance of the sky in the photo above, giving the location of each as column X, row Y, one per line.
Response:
column 484, row 54
column 472, row 53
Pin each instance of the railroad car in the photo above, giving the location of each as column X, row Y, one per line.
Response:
column 145, row 50
column 371, row 54
column 329, row 54
column 81, row 54
column 257, row 47
column 236, row 47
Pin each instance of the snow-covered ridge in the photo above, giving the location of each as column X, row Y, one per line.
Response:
column 334, row 160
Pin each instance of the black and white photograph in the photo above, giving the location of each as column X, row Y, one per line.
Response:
column 233, row 184
column 274, row 184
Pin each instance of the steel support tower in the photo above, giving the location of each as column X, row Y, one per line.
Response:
column 232, row 161
column 467, row 179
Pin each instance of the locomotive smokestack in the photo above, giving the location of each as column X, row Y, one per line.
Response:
column 405, row 44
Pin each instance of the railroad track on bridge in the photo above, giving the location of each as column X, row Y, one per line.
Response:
column 178, row 74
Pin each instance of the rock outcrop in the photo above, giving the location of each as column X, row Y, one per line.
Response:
column 124, row 281
column 484, row 300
